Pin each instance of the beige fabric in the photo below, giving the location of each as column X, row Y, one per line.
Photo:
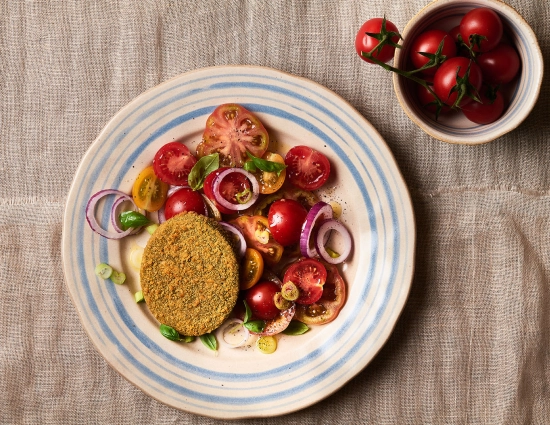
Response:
column 472, row 345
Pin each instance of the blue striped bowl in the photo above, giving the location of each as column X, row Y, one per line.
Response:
column 240, row 383
column 521, row 97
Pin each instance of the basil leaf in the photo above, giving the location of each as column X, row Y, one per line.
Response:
column 255, row 326
column 247, row 313
column 201, row 169
column 296, row 328
column 169, row 332
column 132, row 219
column 264, row 165
column 210, row 341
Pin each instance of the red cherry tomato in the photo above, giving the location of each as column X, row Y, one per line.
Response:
column 309, row 275
column 489, row 110
column 307, row 168
column 285, row 219
column 428, row 42
column 446, row 83
column 230, row 187
column 184, row 199
column 484, row 27
column 427, row 100
column 366, row 43
column 173, row 162
column 500, row 65
column 326, row 309
column 231, row 130
column 260, row 299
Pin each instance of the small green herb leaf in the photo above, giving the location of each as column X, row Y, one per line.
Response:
column 247, row 312
column 169, row 332
column 209, row 341
column 296, row 328
column 133, row 219
column 250, row 167
column 201, row 169
column 255, row 326
column 264, row 165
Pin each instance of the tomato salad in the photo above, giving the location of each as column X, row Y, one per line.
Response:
column 289, row 276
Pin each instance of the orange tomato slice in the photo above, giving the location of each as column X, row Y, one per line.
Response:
column 149, row 192
column 271, row 182
column 252, row 267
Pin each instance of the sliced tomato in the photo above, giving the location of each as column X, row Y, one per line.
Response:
column 252, row 267
column 149, row 192
column 255, row 229
column 231, row 130
column 326, row 309
column 230, row 188
column 307, row 168
column 269, row 181
column 309, row 275
column 173, row 162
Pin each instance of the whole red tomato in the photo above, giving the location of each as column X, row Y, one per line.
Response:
column 428, row 42
column 481, row 29
column 500, row 65
column 488, row 110
column 184, row 199
column 286, row 217
column 427, row 100
column 261, row 300
column 366, row 43
column 456, row 77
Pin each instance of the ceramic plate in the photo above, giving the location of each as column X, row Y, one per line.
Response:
column 239, row 383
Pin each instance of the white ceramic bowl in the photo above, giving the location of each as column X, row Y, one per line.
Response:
column 521, row 94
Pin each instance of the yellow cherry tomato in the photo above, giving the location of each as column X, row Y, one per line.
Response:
column 271, row 182
column 149, row 192
column 252, row 267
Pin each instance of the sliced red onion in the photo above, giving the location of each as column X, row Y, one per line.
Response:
column 174, row 189
column 325, row 227
column 213, row 211
column 234, row 334
column 114, row 212
column 90, row 215
column 321, row 210
column 160, row 215
column 234, row 230
column 224, row 202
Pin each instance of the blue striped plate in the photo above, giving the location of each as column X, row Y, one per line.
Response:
column 240, row 383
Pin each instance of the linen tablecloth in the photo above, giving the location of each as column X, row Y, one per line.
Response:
column 472, row 344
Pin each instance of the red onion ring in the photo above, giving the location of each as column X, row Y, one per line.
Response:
column 234, row 230
column 321, row 210
column 90, row 215
column 114, row 216
column 325, row 227
column 174, row 189
column 160, row 215
column 224, row 202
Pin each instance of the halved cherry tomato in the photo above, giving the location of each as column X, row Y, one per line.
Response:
column 173, row 162
column 309, row 275
column 256, row 232
column 230, row 187
column 149, row 192
column 326, row 309
column 271, row 182
column 231, row 130
column 184, row 199
column 307, row 168
column 252, row 267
